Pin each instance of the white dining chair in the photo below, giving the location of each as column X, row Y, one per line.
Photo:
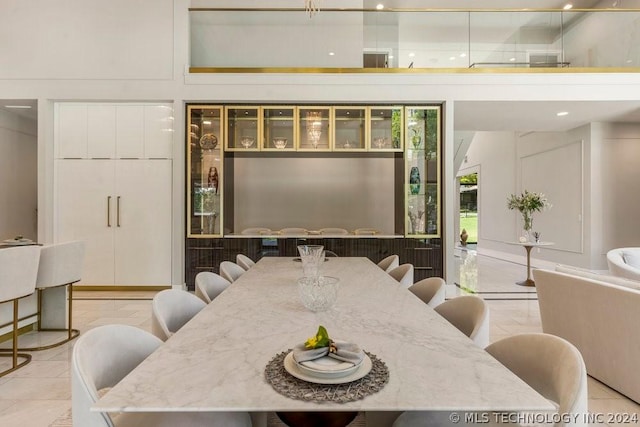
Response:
column 102, row 357
column 231, row 271
column 403, row 274
column 550, row 365
column 333, row 230
column 18, row 274
column 60, row 266
column 389, row 263
column 430, row 290
column 470, row 314
column 209, row 285
column 256, row 230
column 293, row 231
column 244, row 261
column 171, row 309
column 365, row 231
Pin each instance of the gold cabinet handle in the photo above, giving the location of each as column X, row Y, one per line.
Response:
column 108, row 211
column 118, row 211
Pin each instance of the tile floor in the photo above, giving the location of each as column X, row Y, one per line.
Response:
column 40, row 393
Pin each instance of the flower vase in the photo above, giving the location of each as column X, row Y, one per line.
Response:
column 528, row 224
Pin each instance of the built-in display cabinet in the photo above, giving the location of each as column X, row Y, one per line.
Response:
column 423, row 161
column 309, row 167
column 205, row 173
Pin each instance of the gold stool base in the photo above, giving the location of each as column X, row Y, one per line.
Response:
column 16, row 365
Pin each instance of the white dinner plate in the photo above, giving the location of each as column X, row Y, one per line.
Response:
column 292, row 367
column 327, row 364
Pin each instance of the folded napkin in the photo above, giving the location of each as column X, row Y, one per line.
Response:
column 340, row 350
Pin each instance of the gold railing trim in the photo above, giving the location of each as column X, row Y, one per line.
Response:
column 405, row 10
column 312, row 70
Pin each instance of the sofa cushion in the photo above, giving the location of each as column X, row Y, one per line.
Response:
column 631, row 258
column 614, row 280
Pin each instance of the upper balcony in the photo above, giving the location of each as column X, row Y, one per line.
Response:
column 367, row 40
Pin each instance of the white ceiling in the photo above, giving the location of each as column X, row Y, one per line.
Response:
column 486, row 4
column 528, row 116
column 31, row 113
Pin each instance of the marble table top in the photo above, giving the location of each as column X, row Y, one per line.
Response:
column 216, row 361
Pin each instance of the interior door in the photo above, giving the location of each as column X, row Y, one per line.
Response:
column 84, row 194
column 143, row 222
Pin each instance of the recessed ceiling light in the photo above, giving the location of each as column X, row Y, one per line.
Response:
column 567, row 6
column 512, row 59
column 379, row 6
column 411, row 55
column 629, row 61
column 562, row 113
column 24, row 107
column 462, row 55
column 206, row 122
column 331, row 53
column 390, row 56
column 452, row 58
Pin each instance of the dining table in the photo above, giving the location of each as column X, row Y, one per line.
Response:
column 218, row 360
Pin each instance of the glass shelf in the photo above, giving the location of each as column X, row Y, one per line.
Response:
column 243, row 128
column 204, row 172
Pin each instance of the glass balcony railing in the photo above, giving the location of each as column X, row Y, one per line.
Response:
column 396, row 41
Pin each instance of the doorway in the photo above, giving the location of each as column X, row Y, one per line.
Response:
column 468, row 199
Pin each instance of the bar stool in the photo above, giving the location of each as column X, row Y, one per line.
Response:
column 60, row 265
column 18, row 273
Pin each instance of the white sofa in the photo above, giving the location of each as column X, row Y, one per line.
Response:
column 624, row 262
column 598, row 314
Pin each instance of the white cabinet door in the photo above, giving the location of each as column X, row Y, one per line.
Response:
column 158, row 131
column 83, row 193
column 101, row 131
column 71, row 135
column 143, row 222
column 130, row 132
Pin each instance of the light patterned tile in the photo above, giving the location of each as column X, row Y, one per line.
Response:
column 36, row 389
column 33, row 413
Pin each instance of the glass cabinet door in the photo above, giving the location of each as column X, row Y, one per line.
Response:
column 279, row 128
column 422, row 142
column 313, row 128
column 350, row 124
column 243, row 128
column 204, row 170
column 385, row 128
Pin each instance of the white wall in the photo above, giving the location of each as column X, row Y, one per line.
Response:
column 88, row 39
column 138, row 50
column 619, row 156
column 18, row 175
column 589, row 175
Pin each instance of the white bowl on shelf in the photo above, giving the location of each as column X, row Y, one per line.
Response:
column 280, row 143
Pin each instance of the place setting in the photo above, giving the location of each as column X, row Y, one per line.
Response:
column 322, row 369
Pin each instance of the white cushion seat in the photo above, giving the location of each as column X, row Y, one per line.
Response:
column 550, row 365
column 244, row 261
column 231, row 271
column 171, row 309
column 60, row 265
column 209, row 285
column 389, row 263
column 624, row 262
column 470, row 314
column 18, row 274
column 102, row 357
column 430, row 290
column 403, row 274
